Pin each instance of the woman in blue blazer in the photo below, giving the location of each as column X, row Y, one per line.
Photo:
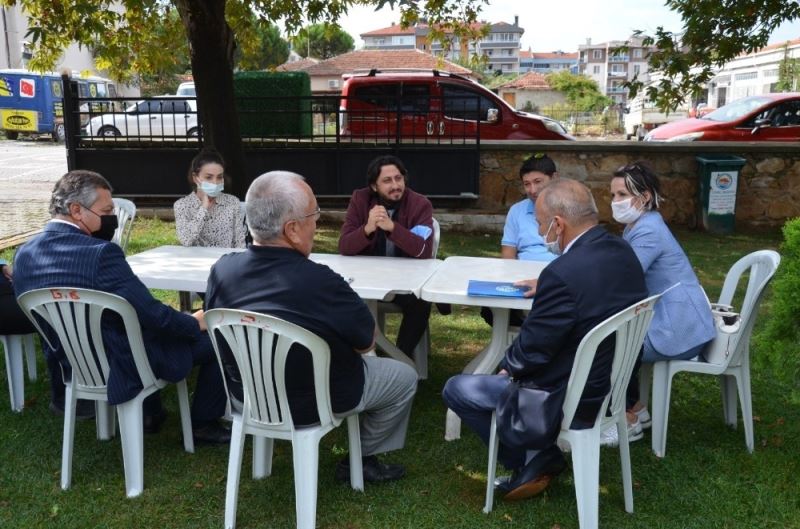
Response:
column 682, row 325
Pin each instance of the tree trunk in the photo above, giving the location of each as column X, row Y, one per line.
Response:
column 211, row 44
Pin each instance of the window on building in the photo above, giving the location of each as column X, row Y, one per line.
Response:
column 638, row 53
column 636, row 69
column 746, row 76
column 333, row 83
column 597, row 54
column 771, row 73
column 596, row 70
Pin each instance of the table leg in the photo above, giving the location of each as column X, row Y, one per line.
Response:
column 486, row 362
column 185, row 301
column 383, row 343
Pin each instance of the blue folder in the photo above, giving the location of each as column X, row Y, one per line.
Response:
column 495, row 289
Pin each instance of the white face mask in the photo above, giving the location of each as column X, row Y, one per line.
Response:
column 212, row 190
column 554, row 247
column 625, row 212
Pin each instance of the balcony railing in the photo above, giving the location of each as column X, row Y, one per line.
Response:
column 618, row 58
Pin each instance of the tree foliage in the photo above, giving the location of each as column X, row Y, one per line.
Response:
column 788, row 73
column 322, row 41
column 779, row 339
column 714, row 32
column 581, row 91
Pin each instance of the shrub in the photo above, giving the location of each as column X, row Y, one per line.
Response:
column 778, row 341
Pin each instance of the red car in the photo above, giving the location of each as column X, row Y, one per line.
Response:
column 768, row 117
column 433, row 106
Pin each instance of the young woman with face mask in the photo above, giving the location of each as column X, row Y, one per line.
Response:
column 683, row 324
column 207, row 216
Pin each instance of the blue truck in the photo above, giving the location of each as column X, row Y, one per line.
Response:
column 32, row 103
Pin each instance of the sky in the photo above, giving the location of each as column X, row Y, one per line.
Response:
column 560, row 25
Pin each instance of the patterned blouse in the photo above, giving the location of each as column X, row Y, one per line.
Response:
column 221, row 226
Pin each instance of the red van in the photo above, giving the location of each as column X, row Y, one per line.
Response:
column 768, row 117
column 435, row 106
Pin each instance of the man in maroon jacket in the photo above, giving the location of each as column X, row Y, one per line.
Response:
column 388, row 219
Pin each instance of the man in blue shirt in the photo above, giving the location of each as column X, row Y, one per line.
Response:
column 521, row 239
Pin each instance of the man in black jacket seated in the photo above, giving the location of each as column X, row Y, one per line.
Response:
column 596, row 276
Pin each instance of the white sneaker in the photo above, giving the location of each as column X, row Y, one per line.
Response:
column 610, row 437
column 644, row 417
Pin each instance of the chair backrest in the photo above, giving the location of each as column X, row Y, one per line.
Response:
column 761, row 266
column 125, row 210
column 74, row 314
column 630, row 326
column 436, row 237
column 260, row 345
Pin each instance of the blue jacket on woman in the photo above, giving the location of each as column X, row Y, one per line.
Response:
column 682, row 317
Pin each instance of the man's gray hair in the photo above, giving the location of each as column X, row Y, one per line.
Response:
column 273, row 199
column 79, row 187
column 569, row 199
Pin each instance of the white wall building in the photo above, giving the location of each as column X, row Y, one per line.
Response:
column 751, row 74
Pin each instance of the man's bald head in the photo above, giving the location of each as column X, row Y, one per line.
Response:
column 570, row 200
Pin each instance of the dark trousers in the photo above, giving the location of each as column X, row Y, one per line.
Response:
column 474, row 398
column 415, row 320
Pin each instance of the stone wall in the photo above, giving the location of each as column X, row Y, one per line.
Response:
column 768, row 186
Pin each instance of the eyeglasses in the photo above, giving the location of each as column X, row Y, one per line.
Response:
column 316, row 213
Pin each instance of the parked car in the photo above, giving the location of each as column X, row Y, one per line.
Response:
column 186, row 89
column 768, row 117
column 435, row 105
column 163, row 117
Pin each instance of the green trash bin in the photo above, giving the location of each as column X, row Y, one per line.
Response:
column 718, row 180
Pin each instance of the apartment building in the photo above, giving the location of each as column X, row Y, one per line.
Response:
column 751, row 74
column 611, row 68
column 545, row 62
column 500, row 46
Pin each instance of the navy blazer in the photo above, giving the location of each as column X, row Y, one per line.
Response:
column 599, row 276
column 64, row 256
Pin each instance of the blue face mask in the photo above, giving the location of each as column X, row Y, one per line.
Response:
column 212, row 190
column 554, row 247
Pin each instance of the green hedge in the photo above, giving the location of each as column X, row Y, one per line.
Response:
column 277, row 111
column 779, row 339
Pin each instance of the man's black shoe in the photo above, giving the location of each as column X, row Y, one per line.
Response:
column 84, row 409
column 503, row 484
column 152, row 423
column 212, row 434
column 535, row 476
column 374, row 470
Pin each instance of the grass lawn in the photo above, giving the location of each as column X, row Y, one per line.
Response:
column 707, row 479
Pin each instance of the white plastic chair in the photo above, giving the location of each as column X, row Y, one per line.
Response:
column 630, row 326
column 422, row 349
column 75, row 314
column 260, row 345
column 14, row 345
column 734, row 371
column 125, row 210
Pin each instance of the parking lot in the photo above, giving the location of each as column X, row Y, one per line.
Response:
column 28, row 170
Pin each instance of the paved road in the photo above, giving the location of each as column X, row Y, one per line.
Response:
column 28, row 170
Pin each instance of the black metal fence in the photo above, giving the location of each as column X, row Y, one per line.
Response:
column 144, row 145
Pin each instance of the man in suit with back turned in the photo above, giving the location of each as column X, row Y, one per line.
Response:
column 74, row 251
column 596, row 276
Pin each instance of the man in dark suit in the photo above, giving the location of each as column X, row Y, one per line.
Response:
column 275, row 276
column 74, row 251
column 596, row 276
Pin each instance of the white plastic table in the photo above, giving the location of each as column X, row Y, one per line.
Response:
column 449, row 285
column 186, row 268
